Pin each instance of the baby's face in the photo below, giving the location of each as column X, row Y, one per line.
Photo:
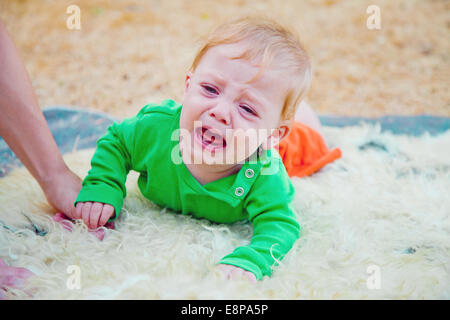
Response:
column 224, row 116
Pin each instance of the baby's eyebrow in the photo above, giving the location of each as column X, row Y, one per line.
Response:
column 216, row 78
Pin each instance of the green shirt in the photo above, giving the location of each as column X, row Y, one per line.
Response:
column 148, row 143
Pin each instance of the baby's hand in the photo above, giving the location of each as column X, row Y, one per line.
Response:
column 232, row 272
column 94, row 214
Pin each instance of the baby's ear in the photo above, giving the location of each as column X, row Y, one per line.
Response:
column 187, row 81
column 277, row 135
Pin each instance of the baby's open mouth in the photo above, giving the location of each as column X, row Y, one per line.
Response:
column 211, row 138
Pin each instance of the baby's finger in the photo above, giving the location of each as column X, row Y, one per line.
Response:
column 107, row 212
column 85, row 211
column 226, row 270
column 94, row 216
column 232, row 272
column 250, row 276
column 235, row 272
column 77, row 210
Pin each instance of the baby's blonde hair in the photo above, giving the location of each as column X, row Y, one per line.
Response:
column 269, row 40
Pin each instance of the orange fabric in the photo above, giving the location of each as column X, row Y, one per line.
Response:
column 304, row 151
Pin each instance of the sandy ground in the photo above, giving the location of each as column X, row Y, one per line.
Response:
column 130, row 53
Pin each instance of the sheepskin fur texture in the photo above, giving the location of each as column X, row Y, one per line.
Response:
column 375, row 225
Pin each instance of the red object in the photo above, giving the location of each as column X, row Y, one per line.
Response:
column 66, row 222
column 12, row 277
column 304, row 151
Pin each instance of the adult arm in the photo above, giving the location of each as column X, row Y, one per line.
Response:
column 23, row 127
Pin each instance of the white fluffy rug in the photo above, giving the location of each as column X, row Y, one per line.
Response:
column 375, row 225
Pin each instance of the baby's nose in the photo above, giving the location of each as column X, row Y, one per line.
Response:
column 221, row 114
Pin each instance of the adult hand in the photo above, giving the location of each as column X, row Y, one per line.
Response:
column 61, row 190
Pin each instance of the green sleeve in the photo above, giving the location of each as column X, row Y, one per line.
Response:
column 110, row 165
column 275, row 226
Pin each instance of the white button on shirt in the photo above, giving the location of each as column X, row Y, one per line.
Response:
column 249, row 173
column 239, row 191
